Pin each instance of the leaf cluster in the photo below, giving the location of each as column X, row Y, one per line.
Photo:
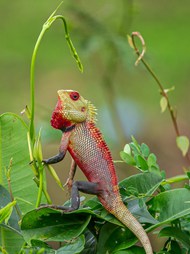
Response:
column 140, row 157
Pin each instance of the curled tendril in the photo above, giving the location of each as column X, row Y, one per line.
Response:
column 140, row 55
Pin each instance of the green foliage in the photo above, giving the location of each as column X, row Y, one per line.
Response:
column 46, row 224
column 14, row 161
column 140, row 157
column 11, row 238
column 150, row 197
column 178, row 234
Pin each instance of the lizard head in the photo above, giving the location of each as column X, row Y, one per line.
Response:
column 71, row 109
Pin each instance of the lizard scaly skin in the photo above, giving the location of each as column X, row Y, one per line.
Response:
column 75, row 116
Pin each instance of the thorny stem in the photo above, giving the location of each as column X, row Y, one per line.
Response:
column 162, row 90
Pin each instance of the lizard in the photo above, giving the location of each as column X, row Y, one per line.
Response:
column 76, row 118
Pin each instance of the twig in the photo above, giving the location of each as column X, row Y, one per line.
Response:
column 163, row 92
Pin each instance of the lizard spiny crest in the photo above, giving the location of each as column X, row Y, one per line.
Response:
column 92, row 112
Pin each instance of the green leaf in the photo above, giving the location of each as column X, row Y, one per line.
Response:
column 10, row 234
column 10, row 239
column 177, row 233
column 114, row 238
column 127, row 149
column 74, row 247
column 127, row 158
column 135, row 146
column 135, row 142
column 132, row 250
column 40, row 244
column 169, row 89
column 37, row 150
column 152, row 160
column 175, row 247
column 106, row 216
column 145, row 150
column 4, row 200
column 53, row 225
column 188, row 174
column 183, row 144
column 130, row 41
column 170, row 205
column 141, row 163
column 141, row 212
column 144, row 183
column 13, row 145
column 90, row 243
column 93, row 203
column 163, row 104
column 6, row 211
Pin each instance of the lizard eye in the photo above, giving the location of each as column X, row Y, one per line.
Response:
column 74, row 96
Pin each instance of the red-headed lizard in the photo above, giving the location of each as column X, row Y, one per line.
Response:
column 76, row 118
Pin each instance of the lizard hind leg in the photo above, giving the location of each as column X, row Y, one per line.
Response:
column 83, row 186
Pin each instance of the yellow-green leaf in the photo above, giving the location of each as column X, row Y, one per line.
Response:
column 55, row 176
column 163, row 104
column 183, row 144
column 6, row 211
column 127, row 149
column 130, row 41
column 169, row 89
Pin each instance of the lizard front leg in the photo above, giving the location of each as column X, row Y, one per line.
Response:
column 55, row 159
column 62, row 150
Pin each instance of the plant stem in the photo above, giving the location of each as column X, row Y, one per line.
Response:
column 40, row 190
column 32, row 86
column 162, row 90
column 175, row 179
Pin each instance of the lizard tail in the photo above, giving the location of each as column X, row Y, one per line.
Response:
column 124, row 215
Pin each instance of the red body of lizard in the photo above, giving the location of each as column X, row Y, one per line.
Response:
column 75, row 116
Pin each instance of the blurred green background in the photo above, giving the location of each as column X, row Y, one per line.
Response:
column 126, row 96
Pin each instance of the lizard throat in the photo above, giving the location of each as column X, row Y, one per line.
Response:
column 58, row 122
column 57, row 119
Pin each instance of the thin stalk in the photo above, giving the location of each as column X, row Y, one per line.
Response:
column 46, row 194
column 40, row 190
column 45, row 27
column 175, row 179
column 162, row 90
column 37, row 181
column 32, row 85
